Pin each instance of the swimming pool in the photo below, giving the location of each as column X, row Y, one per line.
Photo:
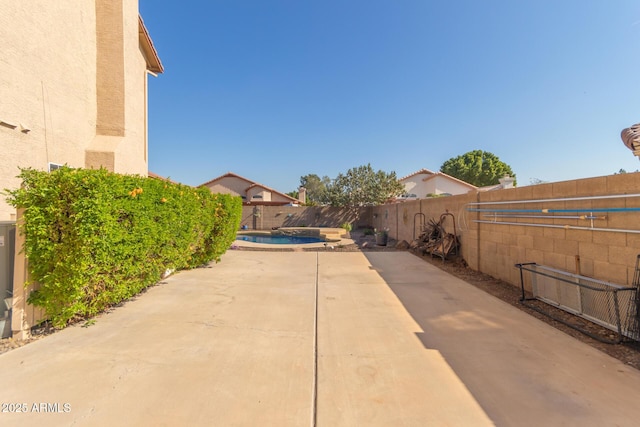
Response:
column 278, row 239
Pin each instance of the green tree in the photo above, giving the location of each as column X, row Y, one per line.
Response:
column 316, row 188
column 362, row 186
column 480, row 168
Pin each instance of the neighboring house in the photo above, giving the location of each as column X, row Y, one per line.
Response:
column 252, row 193
column 73, row 85
column 425, row 183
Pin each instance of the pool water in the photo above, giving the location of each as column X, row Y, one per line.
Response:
column 279, row 240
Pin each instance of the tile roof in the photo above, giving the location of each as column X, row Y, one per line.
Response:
column 436, row 174
column 250, row 183
column 425, row 171
column 444, row 175
column 151, row 54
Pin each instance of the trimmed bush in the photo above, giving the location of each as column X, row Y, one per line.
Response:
column 95, row 238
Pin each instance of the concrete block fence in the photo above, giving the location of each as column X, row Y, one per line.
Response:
column 589, row 226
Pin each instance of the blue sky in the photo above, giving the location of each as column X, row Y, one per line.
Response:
column 276, row 89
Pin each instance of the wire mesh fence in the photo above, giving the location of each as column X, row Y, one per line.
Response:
column 609, row 305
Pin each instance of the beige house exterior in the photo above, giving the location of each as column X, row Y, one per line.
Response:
column 252, row 193
column 425, row 183
column 73, row 85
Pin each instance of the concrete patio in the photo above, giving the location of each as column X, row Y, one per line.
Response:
column 398, row 342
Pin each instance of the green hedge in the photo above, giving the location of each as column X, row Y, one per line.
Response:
column 95, row 238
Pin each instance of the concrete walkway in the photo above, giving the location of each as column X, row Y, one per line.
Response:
column 399, row 342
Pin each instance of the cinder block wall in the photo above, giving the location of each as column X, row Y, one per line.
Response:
column 494, row 248
column 587, row 246
column 605, row 255
column 405, row 221
column 268, row 217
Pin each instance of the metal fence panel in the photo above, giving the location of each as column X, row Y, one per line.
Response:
column 612, row 306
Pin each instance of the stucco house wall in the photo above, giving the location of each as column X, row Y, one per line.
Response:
column 47, row 81
column 425, row 182
column 251, row 192
column 444, row 184
column 257, row 193
column 73, row 82
column 229, row 185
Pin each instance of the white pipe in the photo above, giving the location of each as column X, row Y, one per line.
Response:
column 566, row 227
column 567, row 199
column 545, row 216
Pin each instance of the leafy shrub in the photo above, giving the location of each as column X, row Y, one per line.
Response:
column 346, row 226
column 95, row 238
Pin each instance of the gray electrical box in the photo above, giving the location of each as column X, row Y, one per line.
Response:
column 7, row 254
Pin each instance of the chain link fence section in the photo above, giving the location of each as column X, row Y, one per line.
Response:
column 609, row 305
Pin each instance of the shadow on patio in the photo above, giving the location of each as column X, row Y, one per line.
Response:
column 520, row 370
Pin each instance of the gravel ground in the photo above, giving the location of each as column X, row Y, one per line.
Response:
column 8, row 344
column 627, row 352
